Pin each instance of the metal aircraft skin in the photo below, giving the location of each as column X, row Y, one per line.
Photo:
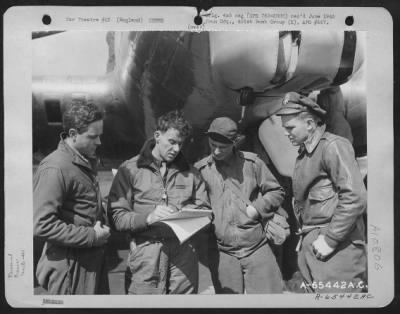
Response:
column 243, row 75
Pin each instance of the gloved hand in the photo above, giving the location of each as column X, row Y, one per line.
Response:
column 277, row 228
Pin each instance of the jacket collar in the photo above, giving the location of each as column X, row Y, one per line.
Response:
column 146, row 158
column 76, row 157
column 311, row 143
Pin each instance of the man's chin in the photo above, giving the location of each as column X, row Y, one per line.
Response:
column 91, row 156
column 219, row 158
column 170, row 158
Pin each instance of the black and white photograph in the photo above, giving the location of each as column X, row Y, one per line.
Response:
column 237, row 155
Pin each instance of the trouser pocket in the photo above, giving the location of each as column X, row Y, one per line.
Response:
column 145, row 263
column 54, row 269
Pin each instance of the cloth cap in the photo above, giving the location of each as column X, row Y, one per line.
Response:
column 294, row 103
column 225, row 127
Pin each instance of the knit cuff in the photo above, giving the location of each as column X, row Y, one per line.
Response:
column 331, row 242
column 259, row 204
column 140, row 222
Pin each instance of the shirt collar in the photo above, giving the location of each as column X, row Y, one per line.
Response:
column 312, row 142
column 63, row 137
column 77, row 153
column 77, row 157
column 158, row 162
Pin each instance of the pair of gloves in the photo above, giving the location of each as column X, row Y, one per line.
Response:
column 277, row 228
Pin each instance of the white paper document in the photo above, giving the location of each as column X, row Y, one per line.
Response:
column 187, row 222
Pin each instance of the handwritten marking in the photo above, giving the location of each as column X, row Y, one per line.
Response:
column 341, row 296
column 375, row 247
column 16, row 265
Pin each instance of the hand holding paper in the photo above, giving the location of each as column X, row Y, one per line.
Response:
column 159, row 213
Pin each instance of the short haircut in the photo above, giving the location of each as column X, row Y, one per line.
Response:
column 174, row 120
column 307, row 114
column 80, row 115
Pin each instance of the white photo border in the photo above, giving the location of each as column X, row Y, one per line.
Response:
column 20, row 22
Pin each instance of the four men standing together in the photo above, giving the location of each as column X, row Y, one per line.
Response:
column 329, row 201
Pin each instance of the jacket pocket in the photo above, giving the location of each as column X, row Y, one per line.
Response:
column 180, row 193
column 358, row 236
column 248, row 236
column 246, row 230
column 322, row 202
column 321, row 193
column 242, row 219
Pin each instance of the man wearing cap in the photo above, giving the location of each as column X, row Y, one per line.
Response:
column 243, row 195
column 329, row 201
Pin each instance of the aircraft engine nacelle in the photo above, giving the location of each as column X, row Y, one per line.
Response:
column 283, row 61
column 272, row 63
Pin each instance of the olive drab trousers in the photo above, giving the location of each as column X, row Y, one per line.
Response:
column 343, row 271
column 162, row 266
column 257, row 273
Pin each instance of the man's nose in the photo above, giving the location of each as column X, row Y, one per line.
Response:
column 217, row 151
column 286, row 133
column 98, row 141
column 176, row 147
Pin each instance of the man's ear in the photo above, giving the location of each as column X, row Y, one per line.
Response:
column 157, row 135
column 72, row 133
column 311, row 124
column 239, row 140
